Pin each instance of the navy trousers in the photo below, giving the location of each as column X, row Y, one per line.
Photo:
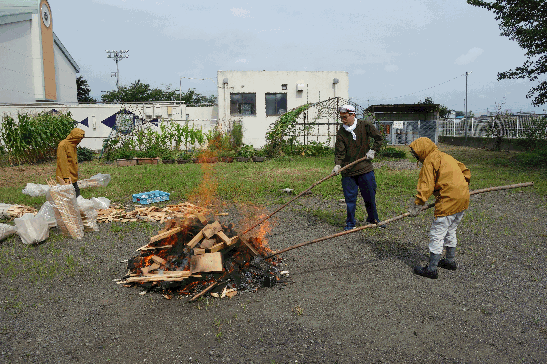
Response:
column 366, row 183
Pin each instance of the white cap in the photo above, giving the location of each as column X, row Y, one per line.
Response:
column 347, row 108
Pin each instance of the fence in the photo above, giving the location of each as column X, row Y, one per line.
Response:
column 502, row 125
column 320, row 123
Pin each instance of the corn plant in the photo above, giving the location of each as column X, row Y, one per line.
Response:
column 33, row 138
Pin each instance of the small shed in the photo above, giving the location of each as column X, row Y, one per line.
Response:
column 403, row 123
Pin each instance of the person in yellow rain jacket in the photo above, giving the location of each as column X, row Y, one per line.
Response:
column 448, row 180
column 67, row 158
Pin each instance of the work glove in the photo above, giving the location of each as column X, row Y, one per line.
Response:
column 414, row 209
column 336, row 169
column 370, row 154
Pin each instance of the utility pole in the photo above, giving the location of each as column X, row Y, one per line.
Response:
column 466, row 74
column 118, row 56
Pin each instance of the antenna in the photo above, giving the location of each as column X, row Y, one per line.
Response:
column 118, row 56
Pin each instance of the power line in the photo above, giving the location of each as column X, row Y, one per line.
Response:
column 425, row 89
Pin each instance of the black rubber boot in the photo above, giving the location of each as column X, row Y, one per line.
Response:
column 448, row 262
column 430, row 270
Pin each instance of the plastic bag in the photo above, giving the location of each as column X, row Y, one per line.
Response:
column 67, row 213
column 32, row 229
column 49, row 215
column 88, row 213
column 34, row 190
column 4, row 210
column 100, row 202
column 102, row 179
column 6, row 230
column 98, row 180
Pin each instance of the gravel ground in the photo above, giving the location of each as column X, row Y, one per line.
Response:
column 351, row 299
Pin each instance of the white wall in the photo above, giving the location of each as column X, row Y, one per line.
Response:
column 317, row 86
column 16, row 64
column 65, row 78
column 96, row 131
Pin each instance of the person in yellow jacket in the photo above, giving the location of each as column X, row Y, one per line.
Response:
column 448, row 180
column 67, row 158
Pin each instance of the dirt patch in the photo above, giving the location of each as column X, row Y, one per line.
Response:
column 21, row 175
column 352, row 299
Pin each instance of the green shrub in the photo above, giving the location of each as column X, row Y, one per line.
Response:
column 390, row 152
column 312, row 149
column 85, row 154
column 237, row 135
column 246, row 151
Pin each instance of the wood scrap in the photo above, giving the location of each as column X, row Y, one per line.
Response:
column 208, row 262
column 158, row 260
column 147, row 269
column 208, row 243
column 211, row 229
column 165, row 234
column 153, row 213
column 19, row 210
column 211, row 286
column 196, row 239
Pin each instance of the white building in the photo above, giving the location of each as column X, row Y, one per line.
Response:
column 34, row 64
column 258, row 98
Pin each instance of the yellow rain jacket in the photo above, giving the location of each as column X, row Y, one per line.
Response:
column 67, row 157
column 442, row 176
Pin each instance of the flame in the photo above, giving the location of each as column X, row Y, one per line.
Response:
column 205, row 193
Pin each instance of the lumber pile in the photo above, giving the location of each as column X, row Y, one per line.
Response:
column 19, row 210
column 191, row 253
column 150, row 213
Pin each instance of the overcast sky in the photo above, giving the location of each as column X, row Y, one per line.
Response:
column 395, row 51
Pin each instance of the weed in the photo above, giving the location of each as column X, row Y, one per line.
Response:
column 298, row 310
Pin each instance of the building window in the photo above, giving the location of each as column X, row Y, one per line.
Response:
column 243, row 104
column 276, row 104
column 284, row 86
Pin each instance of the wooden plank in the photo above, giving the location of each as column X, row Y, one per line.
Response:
column 208, row 243
column 201, row 218
column 203, row 292
column 158, row 260
column 208, row 262
column 199, row 251
column 212, row 229
column 224, row 237
column 150, row 268
column 250, row 247
column 165, row 234
column 217, row 247
column 196, row 239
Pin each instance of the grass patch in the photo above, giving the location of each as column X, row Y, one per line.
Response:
column 261, row 183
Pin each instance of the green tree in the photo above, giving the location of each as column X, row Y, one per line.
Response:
column 444, row 111
column 83, row 90
column 141, row 92
column 524, row 21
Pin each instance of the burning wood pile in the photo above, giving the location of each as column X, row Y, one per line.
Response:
column 192, row 256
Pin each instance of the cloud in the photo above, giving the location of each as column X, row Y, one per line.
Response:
column 239, row 12
column 469, row 57
column 241, row 60
column 391, row 68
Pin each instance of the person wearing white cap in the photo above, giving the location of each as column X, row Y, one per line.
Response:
column 352, row 143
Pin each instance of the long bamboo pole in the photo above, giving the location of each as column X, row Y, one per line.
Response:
column 301, row 194
column 399, row 217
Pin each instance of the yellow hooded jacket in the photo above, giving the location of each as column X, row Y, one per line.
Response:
column 67, row 157
column 442, row 176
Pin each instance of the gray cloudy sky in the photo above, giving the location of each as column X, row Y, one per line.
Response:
column 395, row 51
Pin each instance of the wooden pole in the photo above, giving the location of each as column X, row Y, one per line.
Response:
column 301, row 194
column 399, row 217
